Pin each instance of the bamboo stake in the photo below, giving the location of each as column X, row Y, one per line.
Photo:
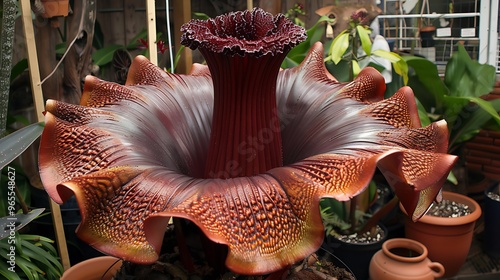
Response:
column 36, row 87
column 151, row 15
column 182, row 14
column 249, row 5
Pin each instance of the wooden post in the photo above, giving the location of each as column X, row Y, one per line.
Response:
column 36, row 88
column 151, row 16
column 182, row 14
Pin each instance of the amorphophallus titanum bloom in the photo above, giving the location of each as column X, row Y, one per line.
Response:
column 242, row 149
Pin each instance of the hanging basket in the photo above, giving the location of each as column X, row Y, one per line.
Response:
column 55, row 8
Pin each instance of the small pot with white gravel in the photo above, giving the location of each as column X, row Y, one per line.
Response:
column 491, row 243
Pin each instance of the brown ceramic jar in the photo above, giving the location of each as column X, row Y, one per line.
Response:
column 402, row 258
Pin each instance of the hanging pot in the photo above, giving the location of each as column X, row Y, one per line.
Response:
column 447, row 239
column 402, row 258
column 55, row 8
column 492, row 222
column 426, row 36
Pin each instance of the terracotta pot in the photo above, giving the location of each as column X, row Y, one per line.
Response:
column 491, row 234
column 54, row 8
column 93, row 269
column 402, row 258
column 447, row 239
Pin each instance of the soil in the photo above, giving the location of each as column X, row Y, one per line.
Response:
column 448, row 208
column 372, row 236
column 169, row 267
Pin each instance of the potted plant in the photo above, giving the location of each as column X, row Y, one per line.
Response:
column 426, row 29
column 457, row 99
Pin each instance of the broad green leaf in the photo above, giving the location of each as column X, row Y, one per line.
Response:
column 425, row 82
column 364, row 37
column 105, row 55
column 466, row 77
column 339, row 47
column 14, row 144
column 314, row 34
column 290, row 62
column 422, row 113
column 471, row 118
column 340, row 71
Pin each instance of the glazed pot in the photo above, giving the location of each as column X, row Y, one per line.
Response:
column 402, row 258
column 426, row 36
column 356, row 256
column 98, row 268
column 491, row 224
column 447, row 239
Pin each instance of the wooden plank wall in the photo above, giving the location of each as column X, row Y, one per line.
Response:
column 121, row 21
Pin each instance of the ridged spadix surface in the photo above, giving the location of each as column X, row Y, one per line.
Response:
column 249, row 173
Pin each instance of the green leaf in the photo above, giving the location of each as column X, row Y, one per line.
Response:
column 422, row 113
column 289, row 62
column 134, row 42
column 14, row 144
column 30, row 269
column 471, row 118
column 425, row 82
column 61, row 48
column 105, row 55
column 364, row 37
column 201, row 16
column 392, row 57
column 399, row 64
column 314, row 34
column 4, row 270
column 401, row 68
column 355, row 68
column 466, row 77
column 339, row 47
column 37, row 253
column 18, row 69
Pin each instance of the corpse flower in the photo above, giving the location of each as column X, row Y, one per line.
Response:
column 243, row 150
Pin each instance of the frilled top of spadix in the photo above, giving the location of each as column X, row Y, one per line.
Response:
column 252, row 32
